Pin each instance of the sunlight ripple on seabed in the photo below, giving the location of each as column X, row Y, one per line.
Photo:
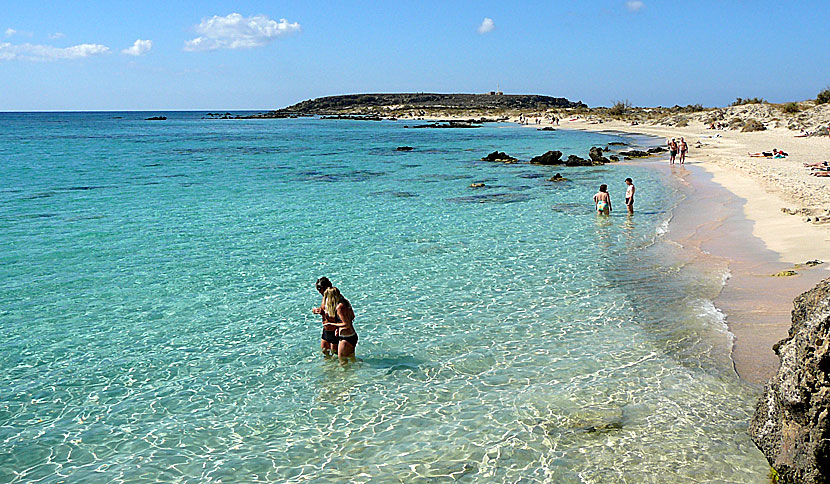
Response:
column 161, row 331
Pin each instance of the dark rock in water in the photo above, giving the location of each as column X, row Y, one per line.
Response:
column 656, row 149
column 574, row 160
column 492, row 198
column 557, row 178
column 791, row 424
column 635, row 153
column 595, row 153
column 450, row 124
column 531, row 176
column 499, row 156
column 404, row 148
column 614, row 158
column 549, row 158
column 546, row 128
column 477, row 185
column 604, row 427
column 156, row 118
column 617, row 143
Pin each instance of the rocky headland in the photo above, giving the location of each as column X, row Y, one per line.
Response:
column 420, row 105
column 791, row 424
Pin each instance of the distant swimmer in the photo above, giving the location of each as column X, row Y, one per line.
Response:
column 339, row 313
column 603, row 200
column 629, row 195
column 328, row 340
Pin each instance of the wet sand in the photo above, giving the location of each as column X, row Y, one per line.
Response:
column 756, row 304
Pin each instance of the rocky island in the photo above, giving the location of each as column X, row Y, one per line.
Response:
column 418, row 104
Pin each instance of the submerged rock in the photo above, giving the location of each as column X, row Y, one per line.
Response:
column 499, row 156
column 404, row 148
column 549, row 158
column 557, row 178
column 791, row 424
column 656, row 149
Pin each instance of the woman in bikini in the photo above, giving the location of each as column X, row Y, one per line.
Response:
column 603, row 200
column 339, row 313
column 328, row 340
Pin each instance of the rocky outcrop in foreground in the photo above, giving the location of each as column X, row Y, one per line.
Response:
column 791, row 424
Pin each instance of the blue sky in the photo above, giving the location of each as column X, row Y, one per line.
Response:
column 70, row 55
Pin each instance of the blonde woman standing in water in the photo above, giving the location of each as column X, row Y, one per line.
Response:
column 339, row 313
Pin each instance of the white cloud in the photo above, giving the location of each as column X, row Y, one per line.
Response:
column 140, row 47
column 634, row 6
column 487, row 25
column 56, row 35
column 10, row 32
column 237, row 32
column 33, row 52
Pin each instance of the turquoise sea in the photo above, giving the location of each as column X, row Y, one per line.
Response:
column 156, row 281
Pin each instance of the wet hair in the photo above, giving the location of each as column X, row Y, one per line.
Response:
column 603, row 188
column 322, row 284
column 333, row 297
column 629, row 180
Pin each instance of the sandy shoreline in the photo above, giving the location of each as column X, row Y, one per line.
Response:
column 750, row 232
column 734, row 213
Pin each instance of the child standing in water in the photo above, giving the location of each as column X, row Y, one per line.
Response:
column 603, row 200
column 629, row 195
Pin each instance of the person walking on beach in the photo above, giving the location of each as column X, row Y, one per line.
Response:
column 328, row 340
column 683, row 149
column 603, row 200
column 672, row 151
column 629, row 195
column 339, row 313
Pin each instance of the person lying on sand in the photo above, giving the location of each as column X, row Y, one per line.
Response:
column 821, row 173
column 775, row 153
column 819, row 164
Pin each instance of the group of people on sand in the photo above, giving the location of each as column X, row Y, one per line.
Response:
column 602, row 199
column 675, row 147
column 524, row 120
column 339, row 336
column 820, row 169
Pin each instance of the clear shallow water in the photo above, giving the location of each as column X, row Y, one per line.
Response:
column 157, row 279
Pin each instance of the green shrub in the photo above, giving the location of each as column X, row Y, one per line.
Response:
column 682, row 122
column 619, row 108
column 752, row 125
column 824, row 96
column 750, row 100
column 791, row 108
